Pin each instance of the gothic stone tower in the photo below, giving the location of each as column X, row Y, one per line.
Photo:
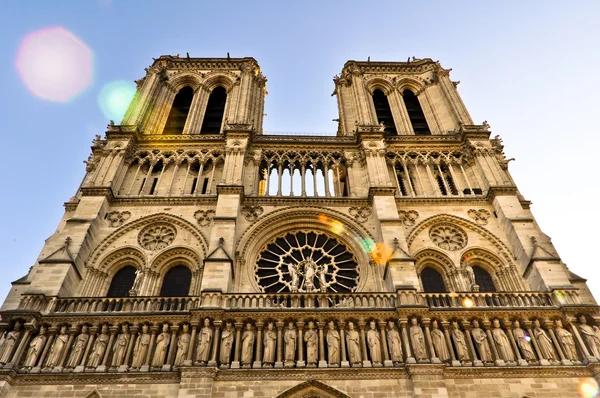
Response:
column 201, row 258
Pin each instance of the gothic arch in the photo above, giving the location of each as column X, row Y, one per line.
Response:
column 218, row 78
column 176, row 255
column 504, row 276
column 381, row 83
column 188, row 79
column 440, row 262
column 312, row 389
column 117, row 259
column 412, row 84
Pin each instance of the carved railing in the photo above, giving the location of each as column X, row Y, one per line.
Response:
column 501, row 300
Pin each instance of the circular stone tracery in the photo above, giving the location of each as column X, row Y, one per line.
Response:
column 306, row 262
column 448, row 237
column 157, row 236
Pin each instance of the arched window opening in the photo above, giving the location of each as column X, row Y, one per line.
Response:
column 179, row 111
column 213, row 117
column 432, row 281
column 176, row 282
column 415, row 113
column 383, row 112
column 440, row 183
column 483, row 279
column 122, row 282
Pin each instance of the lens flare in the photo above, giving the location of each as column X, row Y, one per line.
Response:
column 588, row 388
column 560, row 296
column 467, row 302
column 54, row 64
column 115, row 98
column 527, row 337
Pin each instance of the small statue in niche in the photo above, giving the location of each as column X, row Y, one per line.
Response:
column 60, row 342
column 566, row 339
column 141, row 348
column 502, row 343
column 226, row 344
column 312, row 348
column 247, row 345
column 544, row 342
column 120, row 347
column 481, row 342
column 353, row 343
column 10, row 341
column 374, row 343
column 290, row 344
column 35, row 349
column 418, row 340
column 183, row 344
column 78, row 348
column 394, row 343
column 162, row 344
column 270, row 344
column 470, row 276
column 459, row 342
column 439, row 342
column 333, row 345
column 206, row 336
column 522, row 340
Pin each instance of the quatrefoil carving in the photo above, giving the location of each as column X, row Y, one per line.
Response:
column 205, row 217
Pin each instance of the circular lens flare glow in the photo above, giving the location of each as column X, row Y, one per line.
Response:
column 115, row 98
column 588, row 388
column 467, row 302
column 527, row 337
column 54, row 64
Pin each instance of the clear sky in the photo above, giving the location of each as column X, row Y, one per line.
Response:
column 527, row 67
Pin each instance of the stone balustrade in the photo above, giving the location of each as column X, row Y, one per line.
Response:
column 556, row 298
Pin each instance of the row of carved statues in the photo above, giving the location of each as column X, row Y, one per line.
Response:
column 293, row 343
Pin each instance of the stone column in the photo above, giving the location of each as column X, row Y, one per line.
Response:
column 81, row 367
column 403, row 324
column 508, row 326
column 587, row 357
column 63, row 357
column 190, row 353
column 146, row 366
column 467, row 327
column 215, row 344
column 259, row 345
column 300, row 361
column 130, row 344
column 236, row 354
column 113, row 332
column 322, row 360
column 488, row 332
column 279, row 361
column 384, row 347
column 341, row 326
column 446, row 326
column 16, row 356
column 550, row 325
column 534, row 343
column 434, row 358
column 172, row 350
column 363, row 345
column 52, row 333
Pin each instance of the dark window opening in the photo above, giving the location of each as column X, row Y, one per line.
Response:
column 383, row 112
column 401, row 183
column 153, row 187
column 205, row 186
column 194, row 185
column 176, row 282
column 432, row 281
column 440, row 183
column 483, row 279
column 122, row 282
column 415, row 113
column 213, row 117
column 179, row 111
column 142, row 187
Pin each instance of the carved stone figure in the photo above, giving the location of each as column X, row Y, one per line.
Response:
column 374, row 343
column 270, row 344
column 333, row 345
column 588, row 335
column 290, row 343
column 10, row 342
column 394, row 342
column 60, row 342
column 120, row 346
column 522, row 340
column 141, row 348
column 418, row 340
column 35, row 349
column 312, row 344
column 502, row 343
column 459, row 342
column 137, row 283
column 206, row 336
column 78, row 348
column 162, row 344
column 469, row 276
column 183, row 344
column 247, row 345
column 226, row 344
column 566, row 339
column 310, row 269
column 544, row 342
column 439, row 342
column 353, row 343
column 481, row 342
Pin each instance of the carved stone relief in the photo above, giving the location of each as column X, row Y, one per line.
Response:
column 480, row 216
column 157, row 236
column 408, row 217
column 448, row 237
column 251, row 213
column 360, row 214
column 117, row 218
column 205, row 217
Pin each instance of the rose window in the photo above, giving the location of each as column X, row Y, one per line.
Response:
column 448, row 237
column 306, row 262
column 157, row 236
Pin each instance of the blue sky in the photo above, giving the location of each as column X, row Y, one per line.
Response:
column 527, row 67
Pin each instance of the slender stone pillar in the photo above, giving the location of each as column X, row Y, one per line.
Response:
column 300, row 361
column 426, row 322
column 81, row 367
column 63, row 357
column 190, row 353
column 146, row 366
column 130, row 344
column 215, row 344
column 403, row 324
column 543, row 362
column 342, row 327
column 384, row 346
column 550, row 325
column 172, row 350
column 467, row 327
column 259, row 346
column 279, row 361
column 488, row 332
column 322, row 361
column 366, row 363
column 37, row 369
column 508, row 326
column 16, row 356
column 113, row 332
column 236, row 354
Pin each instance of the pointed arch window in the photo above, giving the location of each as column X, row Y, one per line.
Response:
column 483, row 279
column 122, row 282
column 176, row 282
column 415, row 113
column 215, row 109
column 432, row 281
column 179, row 111
column 383, row 112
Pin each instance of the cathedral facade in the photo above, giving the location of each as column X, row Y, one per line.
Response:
column 203, row 258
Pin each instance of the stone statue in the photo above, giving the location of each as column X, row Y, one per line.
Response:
column 293, row 271
column 439, row 342
column 137, row 283
column 183, row 344
column 206, row 336
column 502, row 343
column 35, row 349
column 270, row 344
column 544, row 342
column 312, row 344
column 459, row 342
column 290, row 343
column 481, row 342
column 141, row 348
column 120, row 346
column 418, row 340
column 10, row 341
column 247, row 345
column 586, row 332
column 162, row 344
column 333, row 345
column 566, row 339
column 310, row 269
column 469, row 276
column 226, row 344
column 322, row 272
column 522, row 340
column 394, row 343
column 374, row 343
column 60, row 342
column 78, row 348
column 353, row 343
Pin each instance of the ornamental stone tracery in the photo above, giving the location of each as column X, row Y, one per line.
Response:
column 157, row 236
column 448, row 237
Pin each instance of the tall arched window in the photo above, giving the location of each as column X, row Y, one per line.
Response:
column 483, row 279
column 415, row 113
column 122, row 282
column 179, row 111
column 383, row 112
column 177, row 281
column 213, row 117
column 432, row 281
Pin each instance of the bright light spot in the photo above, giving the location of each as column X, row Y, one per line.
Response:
column 54, row 64
column 467, row 302
column 588, row 388
column 115, row 98
column 381, row 254
column 560, row 296
column 527, row 337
